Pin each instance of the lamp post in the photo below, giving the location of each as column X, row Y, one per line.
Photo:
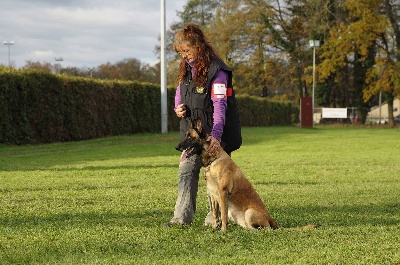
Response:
column 59, row 60
column 164, row 109
column 313, row 44
column 9, row 43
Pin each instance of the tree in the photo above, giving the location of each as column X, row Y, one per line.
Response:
column 75, row 71
column 46, row 67
column 194, row 11
column 382, row 75
column 200, row 12
column 129, row 69
column 283, row 23
column 232, row 34
column 351, row 47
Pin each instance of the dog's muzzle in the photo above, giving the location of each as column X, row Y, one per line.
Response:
column 190, row 146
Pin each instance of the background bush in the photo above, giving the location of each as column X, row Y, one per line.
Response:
column 38, row 107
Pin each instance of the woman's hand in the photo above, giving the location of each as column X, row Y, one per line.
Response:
column 214, row 145
column 180, row 111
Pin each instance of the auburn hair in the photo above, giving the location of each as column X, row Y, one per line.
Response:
column 194, row 37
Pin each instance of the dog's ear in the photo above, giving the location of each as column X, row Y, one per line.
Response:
column 198, row 125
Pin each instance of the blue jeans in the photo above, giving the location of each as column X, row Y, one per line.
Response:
column 185, row 206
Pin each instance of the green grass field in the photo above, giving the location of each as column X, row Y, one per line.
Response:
column 105, row 201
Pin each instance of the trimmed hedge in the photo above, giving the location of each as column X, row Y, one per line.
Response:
column 255, row 111
column 39, row 107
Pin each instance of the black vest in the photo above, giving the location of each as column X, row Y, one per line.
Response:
column 197, row 100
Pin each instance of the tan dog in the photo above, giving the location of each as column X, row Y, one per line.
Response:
column 231, row 193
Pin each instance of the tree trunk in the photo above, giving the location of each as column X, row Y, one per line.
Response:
column 390, row 99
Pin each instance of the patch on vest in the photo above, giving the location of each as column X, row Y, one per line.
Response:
column 218, row 90
column 200, row 90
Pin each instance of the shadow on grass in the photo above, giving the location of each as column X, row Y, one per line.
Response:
column 146, row 218
column 339, row 216
column 123, row 167
column 71, row 167
column 284, row 183
column 73, row 187
column 74, row 153
column 335, row 216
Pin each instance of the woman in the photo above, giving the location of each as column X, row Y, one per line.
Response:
column 204, row 92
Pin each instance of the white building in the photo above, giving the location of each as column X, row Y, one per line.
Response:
column 380, row 114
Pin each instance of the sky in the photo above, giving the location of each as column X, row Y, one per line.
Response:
column 84, row 33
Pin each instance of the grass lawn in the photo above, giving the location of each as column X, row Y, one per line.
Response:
column 105, row 201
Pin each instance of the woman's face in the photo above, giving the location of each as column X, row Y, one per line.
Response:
column 187, row 52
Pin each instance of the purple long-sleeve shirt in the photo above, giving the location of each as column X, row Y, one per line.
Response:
column 220, row 104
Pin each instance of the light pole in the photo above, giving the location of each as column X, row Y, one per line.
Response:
column 164, row 109
column 9, row 43
column 313, row 44
column 59, row 60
